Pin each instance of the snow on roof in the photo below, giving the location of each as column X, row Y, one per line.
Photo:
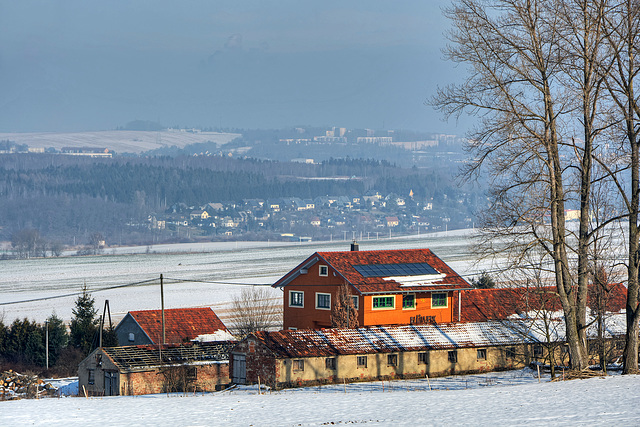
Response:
column 216, row 336
column 349, row 265
column 143, row 357
column 479, row 305
column 377, row 339
column 554, row 326
column 181, row 324
column 380, row 339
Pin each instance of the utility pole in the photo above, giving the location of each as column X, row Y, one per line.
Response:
column 162, row 305
column 46, row 341
column 106, row 309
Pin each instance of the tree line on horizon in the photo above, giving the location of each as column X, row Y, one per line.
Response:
column 65, row 196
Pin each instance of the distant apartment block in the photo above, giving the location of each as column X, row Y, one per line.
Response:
column 374, row 139
column 86, row 151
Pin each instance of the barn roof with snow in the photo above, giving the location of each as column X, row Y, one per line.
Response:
column 479, row 305
column 383, row 271
column 181, row 325
column 145, row 357
column 379, row 339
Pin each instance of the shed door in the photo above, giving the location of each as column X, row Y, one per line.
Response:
column 110, row 384
column 239, row 369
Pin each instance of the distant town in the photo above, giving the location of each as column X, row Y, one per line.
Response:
column 145, row 184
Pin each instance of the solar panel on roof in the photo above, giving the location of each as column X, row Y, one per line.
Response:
column 394, row 270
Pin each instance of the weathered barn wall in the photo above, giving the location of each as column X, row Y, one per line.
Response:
column 298, row 371
column 394, row 365
column 199, row 376
column 260, row 362
column 210, row 377
column 91, row 373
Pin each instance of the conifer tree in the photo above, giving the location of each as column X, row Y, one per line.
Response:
column 84, row 323
column 58, row 337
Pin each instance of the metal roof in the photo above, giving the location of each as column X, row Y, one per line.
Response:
column 142, row 357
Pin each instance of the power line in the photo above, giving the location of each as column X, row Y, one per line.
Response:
column 77, row 293
column 173, row 280
column 215, row 282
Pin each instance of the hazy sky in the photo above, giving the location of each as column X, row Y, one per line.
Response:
column 89, row 65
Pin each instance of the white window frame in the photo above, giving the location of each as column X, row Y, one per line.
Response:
column 290, row 299
column 326, row 270
column 356, row 301
column 132, row 337
column 446, row 298
column 322, row 308
column 373, row 307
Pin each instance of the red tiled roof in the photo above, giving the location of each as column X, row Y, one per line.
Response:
column 343, row 263
column 181, row 324
column 479, row 305
column 381, row 339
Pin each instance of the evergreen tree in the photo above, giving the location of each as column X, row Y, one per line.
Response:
column 58, row 337
column 109, row 337
column 84, row 324
column 25, row 342
column 4, row 332
column 484, row 282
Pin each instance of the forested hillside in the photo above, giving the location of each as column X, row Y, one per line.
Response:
column 67, row 198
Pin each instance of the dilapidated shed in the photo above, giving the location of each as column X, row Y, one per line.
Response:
column 147, row 369
column 292, row 358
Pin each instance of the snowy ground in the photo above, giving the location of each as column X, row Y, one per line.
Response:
column 513, row 398
column 203, row 274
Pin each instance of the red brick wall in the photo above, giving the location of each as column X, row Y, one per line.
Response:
column 259, row 361
column 151, row 382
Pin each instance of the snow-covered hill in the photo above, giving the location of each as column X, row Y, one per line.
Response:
column 120, row 141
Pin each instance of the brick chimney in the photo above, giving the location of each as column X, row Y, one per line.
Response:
column 354, row 246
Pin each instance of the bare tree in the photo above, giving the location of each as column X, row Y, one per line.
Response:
column 96, row 240
column 623, row 30
column 344, row 313
column 28, row 243
column 255, row 309
column 517, row 53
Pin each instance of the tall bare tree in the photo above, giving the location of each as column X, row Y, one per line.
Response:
column 623, row 29
column 255, row 309
column 534, row 81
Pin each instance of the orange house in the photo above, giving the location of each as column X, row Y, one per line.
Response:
column 388, row 287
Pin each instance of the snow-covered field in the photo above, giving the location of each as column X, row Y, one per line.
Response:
column 513, row 398
column 208, row 274
column 120, row 141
